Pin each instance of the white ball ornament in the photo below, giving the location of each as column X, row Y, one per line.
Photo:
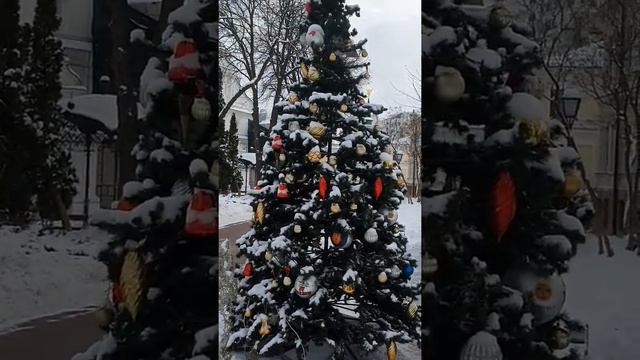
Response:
column 315, row 36
column 382, row 277
column 306, row 286
column 297, row 229
column 293, row 126
column 450, row 84
column 481, row 346
column 286, row 281
column 371, row 235
column 201, row 109
column 361, row 149
column 548, row 293
column 395, row 272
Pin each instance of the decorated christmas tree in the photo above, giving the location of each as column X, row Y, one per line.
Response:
column 326, row 260
column 504, row 205
column 162, row 262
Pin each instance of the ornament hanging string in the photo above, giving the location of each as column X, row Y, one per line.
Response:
column 304, row 353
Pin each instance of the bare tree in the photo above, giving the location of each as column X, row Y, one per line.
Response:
column 413, row 95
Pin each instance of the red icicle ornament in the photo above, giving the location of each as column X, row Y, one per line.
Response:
column 503, row 204
column 283, row 192
column 377, row 188
column 322, row 187
column 184, row 64
column 248, row 270
column 202, row 217
column 276, row 143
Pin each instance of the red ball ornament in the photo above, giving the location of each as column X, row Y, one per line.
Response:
column 247, row 270
column 322, row 187
column 377, row 188
column 184, row 64
column 283, row 192
column 276, row 143
column 503, row 204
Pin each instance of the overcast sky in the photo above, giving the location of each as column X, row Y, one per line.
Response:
column 393, row 29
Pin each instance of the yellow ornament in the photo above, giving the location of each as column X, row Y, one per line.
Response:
column 268, row 255
column 412, row 310
column 265, row 329
column 259, row 215
column 314, row 156
column 293, row 98
column 382, row 277
column 534, row 132
column 344, row 108
column 333, row 57
column 572, row 184
column 286, row 281
column 392, row 350
column 317, row 130
column 314, row 74
column 348, row 288
column 361, row 100
column 335, row 208
column 313, row 108
column 131, row 280
column 247, row 313
column 304, row 71
column 387, row 164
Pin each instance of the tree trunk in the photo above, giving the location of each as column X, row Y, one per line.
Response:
column 256, row 130
column 62, row 210
column 127, row 102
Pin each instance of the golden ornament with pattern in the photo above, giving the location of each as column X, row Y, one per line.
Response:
column 344, row 108
column 335, row 208
column 333, row 57
column 572, row 184
column 265, row 329
column 314, row 74
column 131, row 280
column 304, row 71
column 317, row 130
column 313, row 108
column 259, row 216
column 314, row 156
column 293, row 98
column 392, row 350
column 382, row 277
column 387, row 164
column 534, row 132
column 268, row 255
column 247, row 313
column 401, row 181
column 348, row 288
column 361, row 100
column 412, row 310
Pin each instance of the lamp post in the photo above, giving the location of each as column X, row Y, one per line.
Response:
column 569, row 107
column 397, row 157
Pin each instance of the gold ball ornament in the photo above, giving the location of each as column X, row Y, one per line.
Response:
column 392, row 216
column 313, row 108
column 335, row 208
column 348, row 288
column 304, row 71
column 293, row 98
column 314, row 156
column 344, row 108
column 534, row 132
column 314, row 74
column 449, row 84
column 286, row 281
column 400, row 181
column 282, row 157
column 259, row 215
column 429, row 264
column 265, row 329
column 333, row 57
column 268, row 255
column 353, row 207
column 572, row 184
column 333, row 160
column 361, row 149
column 317, row 130
column 387, row 164
column 131, row 280
column 382, row 277
column 201, row 109
column 247, row 313
column 361, row 100
column 500, row 17
column 412, row 310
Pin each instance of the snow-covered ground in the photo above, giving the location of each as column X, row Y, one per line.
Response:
column 408, row 214
column 604, row 292
column 42, row 275
column 235, row 209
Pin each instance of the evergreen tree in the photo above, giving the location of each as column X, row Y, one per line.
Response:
column 326, row 259
column 503, row 212
column 230, row 177
column 162, row 262
column 21, row 147
column 56, row 176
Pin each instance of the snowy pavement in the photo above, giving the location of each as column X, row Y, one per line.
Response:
column 49, row 274
column 235, row 209
column 604, row 292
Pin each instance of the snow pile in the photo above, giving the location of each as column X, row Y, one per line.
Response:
column 443, row 34
column 99, row 107
column 235, row 209
column 47, row 274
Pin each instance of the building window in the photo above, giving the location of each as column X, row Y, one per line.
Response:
column 76, row 72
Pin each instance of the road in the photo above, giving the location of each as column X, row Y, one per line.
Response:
column 56, row 337
column 233, row 232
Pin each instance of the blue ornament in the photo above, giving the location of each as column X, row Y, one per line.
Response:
column 407, row 271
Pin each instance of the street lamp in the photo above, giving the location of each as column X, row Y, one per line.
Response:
column 397, row 157
column 569, row 106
